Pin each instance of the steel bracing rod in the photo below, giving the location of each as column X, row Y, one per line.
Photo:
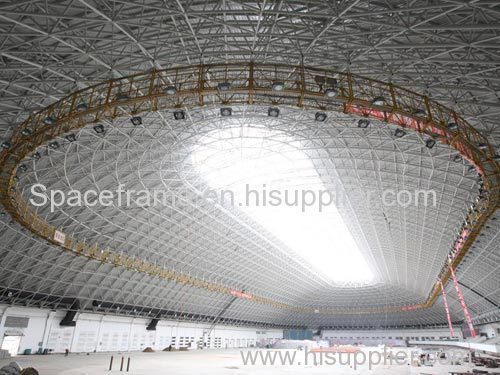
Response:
column 217, row 318
column 305, row 87
column 462, row 302
column 489, row 300
column 151, row 22
column 447, row 309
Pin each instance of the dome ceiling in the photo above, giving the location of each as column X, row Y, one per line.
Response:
column 445, row 49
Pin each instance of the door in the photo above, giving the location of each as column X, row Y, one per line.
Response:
column 11, row 344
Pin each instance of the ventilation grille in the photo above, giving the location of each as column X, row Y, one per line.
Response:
column 16, row 322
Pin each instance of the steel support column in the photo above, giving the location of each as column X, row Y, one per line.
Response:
column 462, row 302
column 445, row 301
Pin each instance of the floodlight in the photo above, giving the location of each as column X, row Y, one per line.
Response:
column 320, row 116
column 331, row 92
column 49, row 120
column 136, row 120
column 420, row 112
column 379, row 101
column 224, row 86
column 122, row 96
column 226, row 111
column 179, row 115
column 399, row 133
column 170, row 90
column 278, row 86
column 363, row 123
column 99, row 129
column 273, row 112
column 82, row 107
column 430, row 143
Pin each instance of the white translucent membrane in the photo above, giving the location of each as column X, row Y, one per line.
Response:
column 259, row 159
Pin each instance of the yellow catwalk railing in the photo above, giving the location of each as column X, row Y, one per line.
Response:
column 247, row 84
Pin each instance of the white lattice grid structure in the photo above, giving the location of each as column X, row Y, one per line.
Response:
column 447, row 49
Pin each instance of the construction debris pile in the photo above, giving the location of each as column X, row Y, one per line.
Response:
column 13, row 368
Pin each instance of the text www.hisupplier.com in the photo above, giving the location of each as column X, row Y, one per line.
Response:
column 322, row 358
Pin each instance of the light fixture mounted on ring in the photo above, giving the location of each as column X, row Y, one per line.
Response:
column 246, row 83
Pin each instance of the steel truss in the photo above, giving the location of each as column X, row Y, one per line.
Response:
column 249, row 84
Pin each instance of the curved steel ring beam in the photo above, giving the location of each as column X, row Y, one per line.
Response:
column 240, row 84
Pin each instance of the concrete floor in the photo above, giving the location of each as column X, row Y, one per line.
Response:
column 206, row 362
